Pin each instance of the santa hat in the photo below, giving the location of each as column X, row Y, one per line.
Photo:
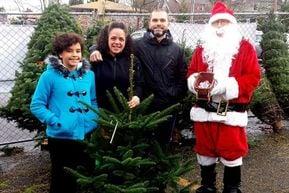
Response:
column 221, row 11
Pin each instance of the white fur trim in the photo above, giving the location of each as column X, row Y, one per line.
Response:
column 191, row 82
column 232, row 118
column 205, row 160
column 218, row 98
column 226, row 16
column 233, row 163
column 232, row 89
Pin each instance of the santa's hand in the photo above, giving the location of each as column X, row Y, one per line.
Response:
column 95, row 56
column 219, row 88
column 134, row 102
column 191, row 82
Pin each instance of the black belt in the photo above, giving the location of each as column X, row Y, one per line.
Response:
column 213, row 106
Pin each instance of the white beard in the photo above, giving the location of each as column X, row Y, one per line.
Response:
column 219, row 51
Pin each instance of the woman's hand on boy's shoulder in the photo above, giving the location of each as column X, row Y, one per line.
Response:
column 95, row 56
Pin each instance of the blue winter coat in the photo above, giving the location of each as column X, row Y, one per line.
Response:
column 56, row 100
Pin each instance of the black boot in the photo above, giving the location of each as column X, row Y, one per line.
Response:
column 232, row 179
column 208, row 182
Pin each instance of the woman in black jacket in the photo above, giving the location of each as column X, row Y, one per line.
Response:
column 115, row 46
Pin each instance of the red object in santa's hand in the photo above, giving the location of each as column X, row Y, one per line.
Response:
column 203, row 85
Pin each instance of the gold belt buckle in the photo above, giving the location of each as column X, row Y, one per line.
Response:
column 222, row 108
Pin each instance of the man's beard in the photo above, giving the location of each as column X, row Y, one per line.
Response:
column 158, row 35
column 220, row 46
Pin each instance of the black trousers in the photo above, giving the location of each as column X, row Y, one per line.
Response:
column 163, row 133
column 66, row 153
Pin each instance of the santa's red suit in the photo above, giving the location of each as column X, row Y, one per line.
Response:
column 225, row 136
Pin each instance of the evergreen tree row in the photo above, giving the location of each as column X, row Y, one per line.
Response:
column 271, row 101
column 55, row 19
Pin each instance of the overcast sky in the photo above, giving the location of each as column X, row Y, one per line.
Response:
column 35, row 5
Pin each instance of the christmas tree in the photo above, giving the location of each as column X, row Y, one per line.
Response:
column 276, row 59
column 54, row 19
column 266, row 107
column 93, row 31
column 284, row 18
column 126, row 156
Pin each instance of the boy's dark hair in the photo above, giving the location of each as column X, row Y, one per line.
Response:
column 62, row 41
column 102, row 40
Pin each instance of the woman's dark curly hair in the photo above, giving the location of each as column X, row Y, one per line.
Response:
column 102, row 40
column 63, row 41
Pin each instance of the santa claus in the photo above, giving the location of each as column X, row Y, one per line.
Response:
column 219, row 123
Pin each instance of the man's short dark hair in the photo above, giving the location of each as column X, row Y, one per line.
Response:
column 159, row 10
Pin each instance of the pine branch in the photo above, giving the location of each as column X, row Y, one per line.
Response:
column 144, row 105
column 112, row 102
column 168, row 111
column 121, row 99
column 107, row 166
column 111, row 160
column 147, row 162
column 110, row 188
column 96, row 111
column 155, row 123
column 136, row 190
column 103, row 114
column 127, row 154
column 141, row 184
column 105, row 123
column 121, row 150
column 141, row 147
column 75, row 173
column 100, row 178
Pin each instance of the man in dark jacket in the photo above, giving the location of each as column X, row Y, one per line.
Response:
column 163, row 68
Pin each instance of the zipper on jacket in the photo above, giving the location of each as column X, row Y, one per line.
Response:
column 170, row 61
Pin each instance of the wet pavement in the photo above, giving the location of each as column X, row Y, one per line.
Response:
column 266, row 168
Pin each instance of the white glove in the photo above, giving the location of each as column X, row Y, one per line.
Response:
column 219, row 88
column 95, row 56
column 134, row 102
column 191, row 82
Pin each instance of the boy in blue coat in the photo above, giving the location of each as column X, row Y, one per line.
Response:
column 66, row 81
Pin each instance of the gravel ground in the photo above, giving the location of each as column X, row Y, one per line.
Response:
column 265, row 170
column 25, row 172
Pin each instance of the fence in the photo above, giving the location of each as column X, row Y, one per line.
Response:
column 14, row 39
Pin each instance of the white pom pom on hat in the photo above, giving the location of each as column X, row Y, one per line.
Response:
column 221, row 11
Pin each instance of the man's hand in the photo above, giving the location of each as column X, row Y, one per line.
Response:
column 95, row 56
column 134, row 102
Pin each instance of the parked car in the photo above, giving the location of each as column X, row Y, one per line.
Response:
column 257, row 42
column 138, row 34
